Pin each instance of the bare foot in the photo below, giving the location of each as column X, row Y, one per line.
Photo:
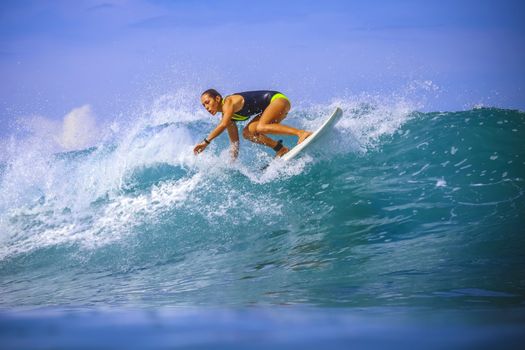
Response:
column 303, row 136
column 282, row 152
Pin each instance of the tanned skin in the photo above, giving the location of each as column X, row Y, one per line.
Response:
column 257, row 129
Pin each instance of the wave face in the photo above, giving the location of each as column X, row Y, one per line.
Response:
column 396, row 208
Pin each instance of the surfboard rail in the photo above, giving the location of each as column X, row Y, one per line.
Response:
column 327, row 124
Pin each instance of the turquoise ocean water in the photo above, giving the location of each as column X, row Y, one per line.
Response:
column 401, row 228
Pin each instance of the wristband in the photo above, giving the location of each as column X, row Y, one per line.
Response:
column 206, row 140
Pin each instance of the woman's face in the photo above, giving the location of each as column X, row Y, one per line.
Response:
column 211, row 104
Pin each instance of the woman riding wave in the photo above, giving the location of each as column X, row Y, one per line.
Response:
column 269, row 109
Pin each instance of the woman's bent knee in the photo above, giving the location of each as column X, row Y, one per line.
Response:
column 261, row 128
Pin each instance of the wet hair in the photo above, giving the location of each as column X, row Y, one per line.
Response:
column 212, row 93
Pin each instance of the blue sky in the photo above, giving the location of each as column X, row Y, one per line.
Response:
column 59, row 55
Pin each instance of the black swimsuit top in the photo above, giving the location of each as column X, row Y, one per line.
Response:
column 255, row 102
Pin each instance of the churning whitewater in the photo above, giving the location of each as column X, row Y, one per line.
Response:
column 398, row 207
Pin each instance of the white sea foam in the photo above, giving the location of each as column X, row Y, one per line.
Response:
column 367, row 119
column 441, row 183
column 82, row 198
column 79, row 129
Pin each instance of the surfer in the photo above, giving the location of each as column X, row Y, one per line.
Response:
column 269, row 109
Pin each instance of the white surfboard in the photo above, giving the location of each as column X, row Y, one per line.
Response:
column 316, row 136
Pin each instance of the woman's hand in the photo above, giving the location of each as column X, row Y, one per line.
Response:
column 200, row 147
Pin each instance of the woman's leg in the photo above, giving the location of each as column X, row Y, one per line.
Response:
column 250, row 133
column 269, row 121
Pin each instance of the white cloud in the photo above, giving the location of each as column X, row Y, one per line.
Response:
column 79, row 129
